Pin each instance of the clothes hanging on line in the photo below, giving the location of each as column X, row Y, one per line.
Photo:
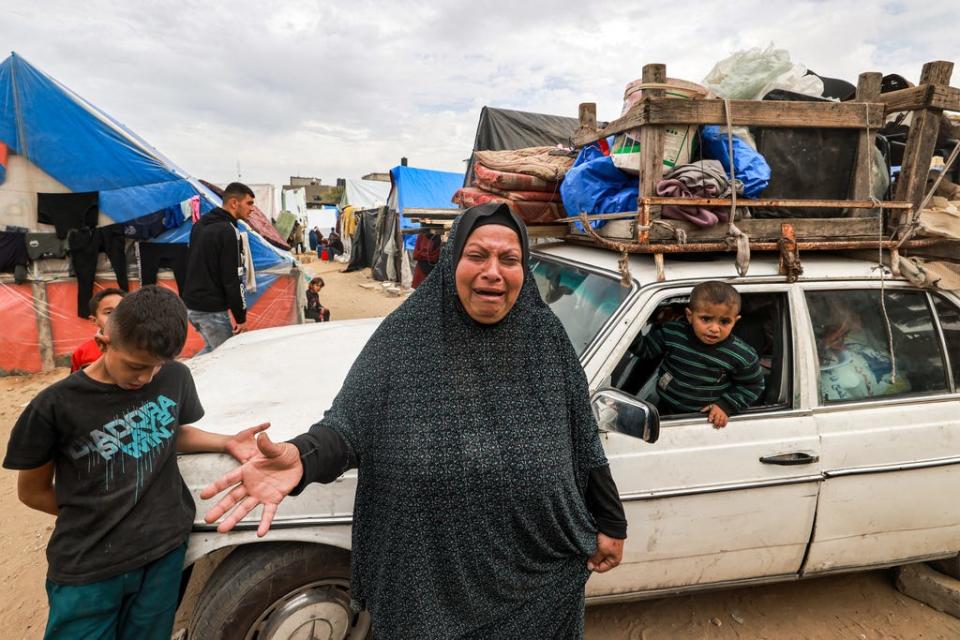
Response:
column 85, row 247
column 154, row 256
column 66, row 211
column 145, row 227
column 13, row 254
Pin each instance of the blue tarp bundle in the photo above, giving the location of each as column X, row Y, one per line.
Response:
column 87, row 150
column 421, row 189
column 595, row 185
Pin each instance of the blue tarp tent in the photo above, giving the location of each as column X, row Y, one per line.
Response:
column 85, row 149
column 421, row 189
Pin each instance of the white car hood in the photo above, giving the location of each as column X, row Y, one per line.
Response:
column 287, row 376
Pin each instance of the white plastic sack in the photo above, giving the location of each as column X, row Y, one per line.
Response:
column 752, row 74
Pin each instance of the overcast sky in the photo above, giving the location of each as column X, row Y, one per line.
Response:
column 342, row 89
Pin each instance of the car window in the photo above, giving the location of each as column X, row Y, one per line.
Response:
column 764, row 326
column 949, row 316
column 582, row 300
column 860, row 359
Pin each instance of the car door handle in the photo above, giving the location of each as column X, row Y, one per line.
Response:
column 795, row 457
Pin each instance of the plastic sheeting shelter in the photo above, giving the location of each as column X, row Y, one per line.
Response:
column 324, row 218
column 421, row 189
column 61, row 143
column 364, row 194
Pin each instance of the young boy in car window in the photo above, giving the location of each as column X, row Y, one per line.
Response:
column 98, row 450
column 704, row 367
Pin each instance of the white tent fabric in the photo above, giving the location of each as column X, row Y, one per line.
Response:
column 324, row 219
column 364, row 194
column 295, row 201
column 265, row 196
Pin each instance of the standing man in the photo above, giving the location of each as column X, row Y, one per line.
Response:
column 214, row 282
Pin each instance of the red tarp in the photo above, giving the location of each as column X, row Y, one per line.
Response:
column 20, row 343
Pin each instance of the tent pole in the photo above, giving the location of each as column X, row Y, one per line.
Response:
column 41, row 310
column 300, row 292
column 18, row 113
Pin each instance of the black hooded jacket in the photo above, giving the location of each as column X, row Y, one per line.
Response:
column 213, row 280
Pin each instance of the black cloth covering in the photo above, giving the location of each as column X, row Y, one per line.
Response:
column 470, row 519
column 66, row 211
column 85, row 245
column 506, row 129
column 364, row 242
column 155, row 255
column 13, row 250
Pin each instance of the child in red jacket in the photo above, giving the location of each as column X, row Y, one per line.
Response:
column 102, row 305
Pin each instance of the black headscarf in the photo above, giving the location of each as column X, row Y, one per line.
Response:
column 473, row 443
column 484, row 214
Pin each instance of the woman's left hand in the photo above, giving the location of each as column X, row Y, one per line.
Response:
column 608, row 555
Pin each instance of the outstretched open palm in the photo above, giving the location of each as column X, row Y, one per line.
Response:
column 265, row 479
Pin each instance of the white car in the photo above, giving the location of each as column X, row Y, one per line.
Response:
column 851, row 459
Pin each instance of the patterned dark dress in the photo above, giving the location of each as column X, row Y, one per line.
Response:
column 473, row 444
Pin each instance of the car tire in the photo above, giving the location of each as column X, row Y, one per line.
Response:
column 950, row 566
column 270, row 591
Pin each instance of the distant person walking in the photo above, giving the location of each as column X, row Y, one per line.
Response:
column 214, row 282
column 296, row 238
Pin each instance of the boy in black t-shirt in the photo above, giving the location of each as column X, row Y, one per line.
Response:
column 98, row 451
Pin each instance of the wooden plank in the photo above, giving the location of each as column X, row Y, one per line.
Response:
column 588, row 120
column 713, row 247
column 651, row 135
column 412, row 211
column 923, row 137
column 768, row 229
column 936, row 96
column 547, row 230
column 868, row 88
column 771, row 113
column 41, row 310
column 748, row 202
column 762, row 230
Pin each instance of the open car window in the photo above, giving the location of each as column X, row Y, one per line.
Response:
column 583, row 300
column 870, row 348
column 764, row 325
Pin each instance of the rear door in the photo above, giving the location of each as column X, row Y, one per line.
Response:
column 703, row 507
column 889, row 418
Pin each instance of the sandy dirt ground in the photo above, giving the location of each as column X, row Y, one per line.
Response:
column 855, row 607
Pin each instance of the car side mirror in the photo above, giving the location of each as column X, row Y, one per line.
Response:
column 622, row 413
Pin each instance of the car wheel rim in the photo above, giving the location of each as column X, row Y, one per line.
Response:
column 315, row 611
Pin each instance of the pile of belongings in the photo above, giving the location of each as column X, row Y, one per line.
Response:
column 940, row 218
column 526, row 180
column 703, row 179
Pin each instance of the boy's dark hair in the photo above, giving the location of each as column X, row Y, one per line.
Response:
column 153, row 319
column 237, row 190
column 100, row 295
column 714, row 292
column 318, row 280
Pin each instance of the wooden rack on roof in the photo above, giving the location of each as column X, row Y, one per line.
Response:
column 864, row 226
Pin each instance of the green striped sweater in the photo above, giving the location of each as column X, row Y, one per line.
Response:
column 693, row 375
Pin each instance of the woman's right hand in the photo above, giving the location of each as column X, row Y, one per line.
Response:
column 265, row 479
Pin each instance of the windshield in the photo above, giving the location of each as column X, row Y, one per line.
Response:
column 583, row 300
